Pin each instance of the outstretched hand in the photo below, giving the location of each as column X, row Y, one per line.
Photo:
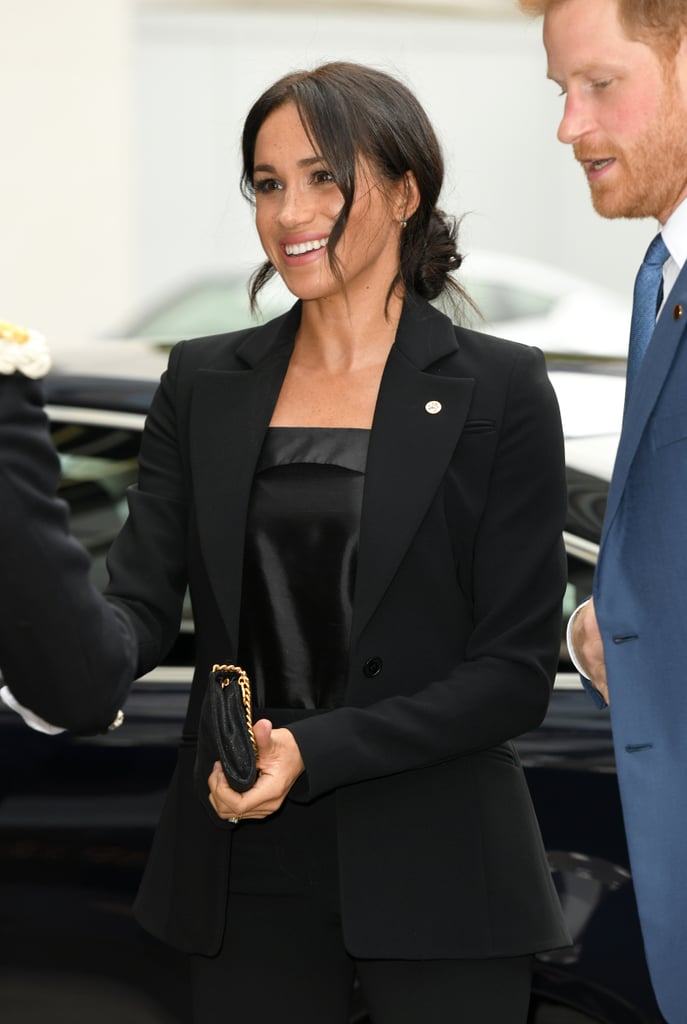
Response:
column 279, row 763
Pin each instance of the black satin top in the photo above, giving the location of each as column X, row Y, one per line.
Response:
column 299, row 572
column 299, row 565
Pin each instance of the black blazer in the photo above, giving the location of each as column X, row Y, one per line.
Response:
column 64, row 652
column 455, row 635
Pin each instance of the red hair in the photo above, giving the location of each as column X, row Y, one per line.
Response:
column 657, row 23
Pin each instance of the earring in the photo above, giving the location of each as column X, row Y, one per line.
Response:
column 404, row 223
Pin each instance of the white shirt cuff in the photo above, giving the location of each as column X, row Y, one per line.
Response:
column 31, row 719
column 568, row 639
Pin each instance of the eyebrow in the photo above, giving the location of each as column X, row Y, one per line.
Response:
column 307, row 161
column 591, row 69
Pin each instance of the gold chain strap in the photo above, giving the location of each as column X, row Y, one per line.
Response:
column 244, row 684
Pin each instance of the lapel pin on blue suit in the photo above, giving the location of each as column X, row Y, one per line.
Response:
column 433, row 408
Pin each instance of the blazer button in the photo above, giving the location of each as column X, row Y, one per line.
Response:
column 372, row 667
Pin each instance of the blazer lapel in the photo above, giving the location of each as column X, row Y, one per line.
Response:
column 230, row 413
column 410, row 447
column 409, row 450
column 642, row 400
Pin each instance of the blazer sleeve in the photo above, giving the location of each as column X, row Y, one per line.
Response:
column 65, row 653
column 501, row 688
column 147, row 561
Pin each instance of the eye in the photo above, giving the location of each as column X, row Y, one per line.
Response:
column 602, row 83
column 323, row 177
column 263, row 186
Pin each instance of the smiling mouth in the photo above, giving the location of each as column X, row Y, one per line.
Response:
column 302, row 247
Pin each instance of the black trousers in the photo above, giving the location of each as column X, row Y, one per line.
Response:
column 283, row 960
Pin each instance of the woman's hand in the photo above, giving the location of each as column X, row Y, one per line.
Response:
column 280, row 763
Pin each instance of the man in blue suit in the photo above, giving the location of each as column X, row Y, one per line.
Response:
column 622, row 68
column 67, row 657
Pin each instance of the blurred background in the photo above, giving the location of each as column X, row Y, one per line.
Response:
column 119, row 198
column 122, row 228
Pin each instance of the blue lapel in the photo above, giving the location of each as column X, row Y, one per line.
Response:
column 651, row 377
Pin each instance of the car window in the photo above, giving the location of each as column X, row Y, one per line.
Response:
column 578, row 589
column 211, row 307
column 497, row 301
column 99, row 463
column 212, row 310
column 587, row 496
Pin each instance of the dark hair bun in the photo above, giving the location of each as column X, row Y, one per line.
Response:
column 440, row 256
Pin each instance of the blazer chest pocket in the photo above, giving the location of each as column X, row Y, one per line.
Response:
column 479, row 427
column 669, row 429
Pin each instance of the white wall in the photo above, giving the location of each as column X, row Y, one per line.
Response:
column 482, row 82
column 66, row 200
column 119, row 171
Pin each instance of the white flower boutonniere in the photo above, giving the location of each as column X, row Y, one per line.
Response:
column 23, row 350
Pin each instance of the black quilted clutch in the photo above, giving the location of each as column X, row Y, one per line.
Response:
column 225, row 732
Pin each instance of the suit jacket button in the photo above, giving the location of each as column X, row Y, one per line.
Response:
column 372, row 667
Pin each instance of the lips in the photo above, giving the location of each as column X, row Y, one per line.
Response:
column 594, row 165
column 598, row 165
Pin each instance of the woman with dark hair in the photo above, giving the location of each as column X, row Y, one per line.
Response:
column 349, row 111
column 367, row 504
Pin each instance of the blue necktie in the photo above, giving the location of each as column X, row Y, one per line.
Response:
column 648, row 289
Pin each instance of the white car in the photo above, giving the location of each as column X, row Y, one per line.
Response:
column 542, row 305
column 521, row 299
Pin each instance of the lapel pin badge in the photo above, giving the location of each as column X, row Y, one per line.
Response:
column 677, row 311
column 433, row 408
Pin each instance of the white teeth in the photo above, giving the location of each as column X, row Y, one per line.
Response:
column 298, row 250
column 598, row 164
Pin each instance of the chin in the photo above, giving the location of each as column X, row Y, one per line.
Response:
column 609, row 211
column 613, row 207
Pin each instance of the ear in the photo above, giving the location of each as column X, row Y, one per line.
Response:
column 411, row 195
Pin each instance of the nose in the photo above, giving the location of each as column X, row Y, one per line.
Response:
column 295, row 208
column 576, row 120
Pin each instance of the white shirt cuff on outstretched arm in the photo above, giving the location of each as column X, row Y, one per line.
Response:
column 31, row 719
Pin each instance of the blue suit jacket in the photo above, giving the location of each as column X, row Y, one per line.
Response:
column 640, row 595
